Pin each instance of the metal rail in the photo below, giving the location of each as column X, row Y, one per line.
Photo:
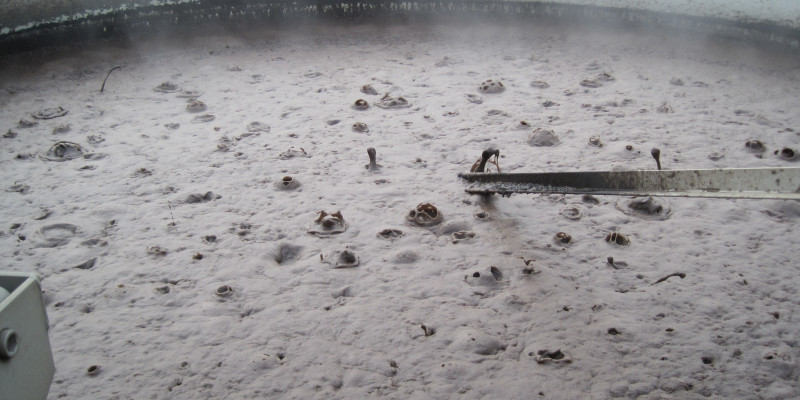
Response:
column 745, row 183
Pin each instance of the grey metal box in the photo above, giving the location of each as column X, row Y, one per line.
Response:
column 26, row 361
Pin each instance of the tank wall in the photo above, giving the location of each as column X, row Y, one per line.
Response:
column 781, row 12
column 22, row 14
column 33, row 24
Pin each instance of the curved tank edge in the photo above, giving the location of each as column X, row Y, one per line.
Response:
column 132, row 22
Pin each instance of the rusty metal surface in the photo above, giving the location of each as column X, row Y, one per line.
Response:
column 749, row 183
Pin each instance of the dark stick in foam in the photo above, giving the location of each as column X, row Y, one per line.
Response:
column 656, row 153
column 107, row 75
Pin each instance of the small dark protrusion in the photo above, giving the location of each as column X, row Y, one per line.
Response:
column 88, row 264
column 390, row 234
column 162, row 289
column 373, row 163
column 347, row 257
column 589, row 199
column 618, row 239
column 754, row 145
column 496, row 273
column 617, row 264
column 224, row 291
column 656, row 153
column 361, row 104
column 787, row 154
column 553, row 355
column 485, row 156
column 103, row 86
column 677, row 274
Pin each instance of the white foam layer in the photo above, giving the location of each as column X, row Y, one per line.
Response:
column 188, row 274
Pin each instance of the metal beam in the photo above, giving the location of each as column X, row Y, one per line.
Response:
column 747, row 183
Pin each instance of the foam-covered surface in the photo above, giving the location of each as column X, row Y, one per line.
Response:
column 175, row 265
